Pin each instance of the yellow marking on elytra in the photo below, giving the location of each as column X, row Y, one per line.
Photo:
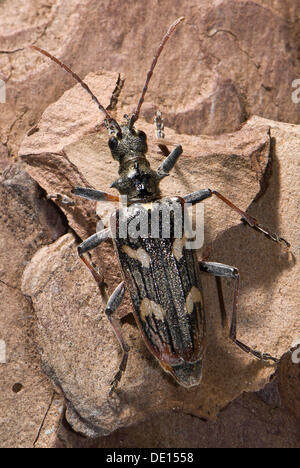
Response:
column 149, row 308
column 138, row 254
column 148, row 206
column 177, row 247
column 193, row 297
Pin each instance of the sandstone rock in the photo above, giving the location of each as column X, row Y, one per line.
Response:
column 248, row 422
column 68, row 151
column 79, row 351
column 60, row 127
column 4, row 161
column 289, row 384
column 27, row 221
column 50, row 426
column 228, row 60
column 250, row 45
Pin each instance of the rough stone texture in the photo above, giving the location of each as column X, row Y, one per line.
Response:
column 230, row 59
column 248, row 422
column 27, row 221
column 79, row 351
column 289, row 377
column 51, row 423
column 4, row 161
column 69, row 150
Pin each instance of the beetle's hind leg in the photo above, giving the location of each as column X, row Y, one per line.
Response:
column 113, row 302
column 111, row 307
column 219, row 270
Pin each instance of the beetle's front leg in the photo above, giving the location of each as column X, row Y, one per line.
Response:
column 169, row 162
column 201, row 195
column 111, row 307
column 219, row 270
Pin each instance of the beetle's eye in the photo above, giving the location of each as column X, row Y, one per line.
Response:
column 113, row 143
column 142, row 135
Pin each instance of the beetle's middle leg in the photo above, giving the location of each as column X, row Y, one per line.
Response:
column 219, row 270
column 91, row 243
column 201, row 195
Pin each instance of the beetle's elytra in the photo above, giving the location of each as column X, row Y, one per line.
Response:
column 160, row 273
column 163, row 279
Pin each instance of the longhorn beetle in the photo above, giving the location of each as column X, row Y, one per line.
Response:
column 160, row 273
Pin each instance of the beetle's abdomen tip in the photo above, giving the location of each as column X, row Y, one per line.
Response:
column 188, row 374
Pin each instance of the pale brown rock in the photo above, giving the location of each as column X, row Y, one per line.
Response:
column 68, row 151
column 4, row 161
column 27, row 221
column 252, row 45
column 80, row 353
column 63, row 123
column 228, row 60
column 248, row 422
column 50, row 426
column 289, row 373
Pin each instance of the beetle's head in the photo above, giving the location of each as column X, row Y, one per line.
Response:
column 137, row 180
column 125, row 140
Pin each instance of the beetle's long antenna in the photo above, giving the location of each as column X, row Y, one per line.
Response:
column 83, row 84
column 171, row 29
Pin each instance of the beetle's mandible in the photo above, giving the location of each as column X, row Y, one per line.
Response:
column 160, row 273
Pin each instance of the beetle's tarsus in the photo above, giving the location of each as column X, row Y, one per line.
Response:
column 63, row 199
column 257, row 354
column 117, row 378
column 159, row 125
column 272, row 236
column 115, row 382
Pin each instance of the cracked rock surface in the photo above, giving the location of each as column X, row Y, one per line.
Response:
column 79, row 351
column 251, row 421
column 28, row 221
column 229, row 60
